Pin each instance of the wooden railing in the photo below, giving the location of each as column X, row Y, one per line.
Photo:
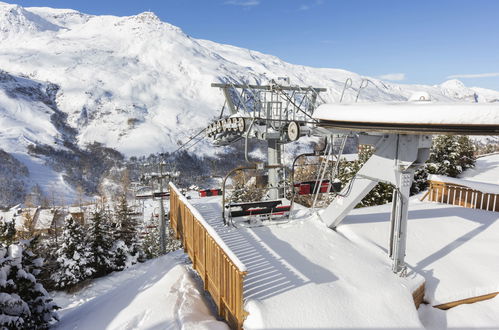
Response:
column 454, row 194
column 222, row 276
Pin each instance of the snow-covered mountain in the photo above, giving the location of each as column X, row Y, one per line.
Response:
column 138, row 84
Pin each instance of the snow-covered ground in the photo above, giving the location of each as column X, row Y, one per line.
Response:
column 455, row 249
column 159, row 294
column 486, row 170
column 303, row 275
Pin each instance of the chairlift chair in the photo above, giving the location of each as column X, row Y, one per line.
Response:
column 267, row 208
column 209, row 192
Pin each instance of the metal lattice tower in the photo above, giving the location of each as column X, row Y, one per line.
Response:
column 276, row 113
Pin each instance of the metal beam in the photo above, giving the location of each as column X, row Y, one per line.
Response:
column 269, row 87
column 228, row 98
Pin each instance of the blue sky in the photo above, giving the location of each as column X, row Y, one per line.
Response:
column 423, row 41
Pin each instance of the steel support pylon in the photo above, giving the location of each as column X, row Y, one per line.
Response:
column 274, row 158
column 395, row 159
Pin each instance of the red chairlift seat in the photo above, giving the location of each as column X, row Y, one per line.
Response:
column 310, row 187
column 210, row 192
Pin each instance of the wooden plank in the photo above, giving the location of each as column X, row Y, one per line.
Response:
column 466, row 301
column 418, row 295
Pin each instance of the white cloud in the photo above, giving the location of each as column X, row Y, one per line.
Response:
column 311, row 4
column 474, row 75
column 393, row 76
column 243, row 3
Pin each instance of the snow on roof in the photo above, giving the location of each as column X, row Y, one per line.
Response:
column 13, row 214
column 483, row 187
column 412, row 113
column 210, row 229
column 44, row 219
column 75, row 209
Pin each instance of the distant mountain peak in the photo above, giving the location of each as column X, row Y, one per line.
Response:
column 148, row 16
column 453, row 84
column 15, row 19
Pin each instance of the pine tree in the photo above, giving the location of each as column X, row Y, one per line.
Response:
column 72, row 257
column 100, row 243
column 122, row 257
column 40, row 304
column 150, row 243
column 24, row 303
column 450, row 155
column 126, row 247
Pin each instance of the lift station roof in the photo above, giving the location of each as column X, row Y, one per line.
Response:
column 412, row 117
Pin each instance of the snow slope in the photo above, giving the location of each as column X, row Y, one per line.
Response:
column 139, row 85
column 158, row 294
column 29, row 116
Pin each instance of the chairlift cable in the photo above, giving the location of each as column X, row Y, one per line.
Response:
column 192, row 138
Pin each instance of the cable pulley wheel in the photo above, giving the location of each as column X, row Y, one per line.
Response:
column 241, row 126
column 293, row 131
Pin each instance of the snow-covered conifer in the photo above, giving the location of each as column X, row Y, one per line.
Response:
column 100, row 243
column 126, row 247
column 24, row 303
column 73, row 257
column 450, row 155
column 150, row 242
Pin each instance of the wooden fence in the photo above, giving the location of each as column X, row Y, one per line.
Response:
column 221, row 277
column 454, row 194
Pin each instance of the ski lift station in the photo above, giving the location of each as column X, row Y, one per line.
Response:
column 260, row 252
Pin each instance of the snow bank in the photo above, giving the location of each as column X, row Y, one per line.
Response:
column 486, row 170
column 158, row 294
column 483, row 187
column 412, row 113
column 454, row 248
column 213, row 233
